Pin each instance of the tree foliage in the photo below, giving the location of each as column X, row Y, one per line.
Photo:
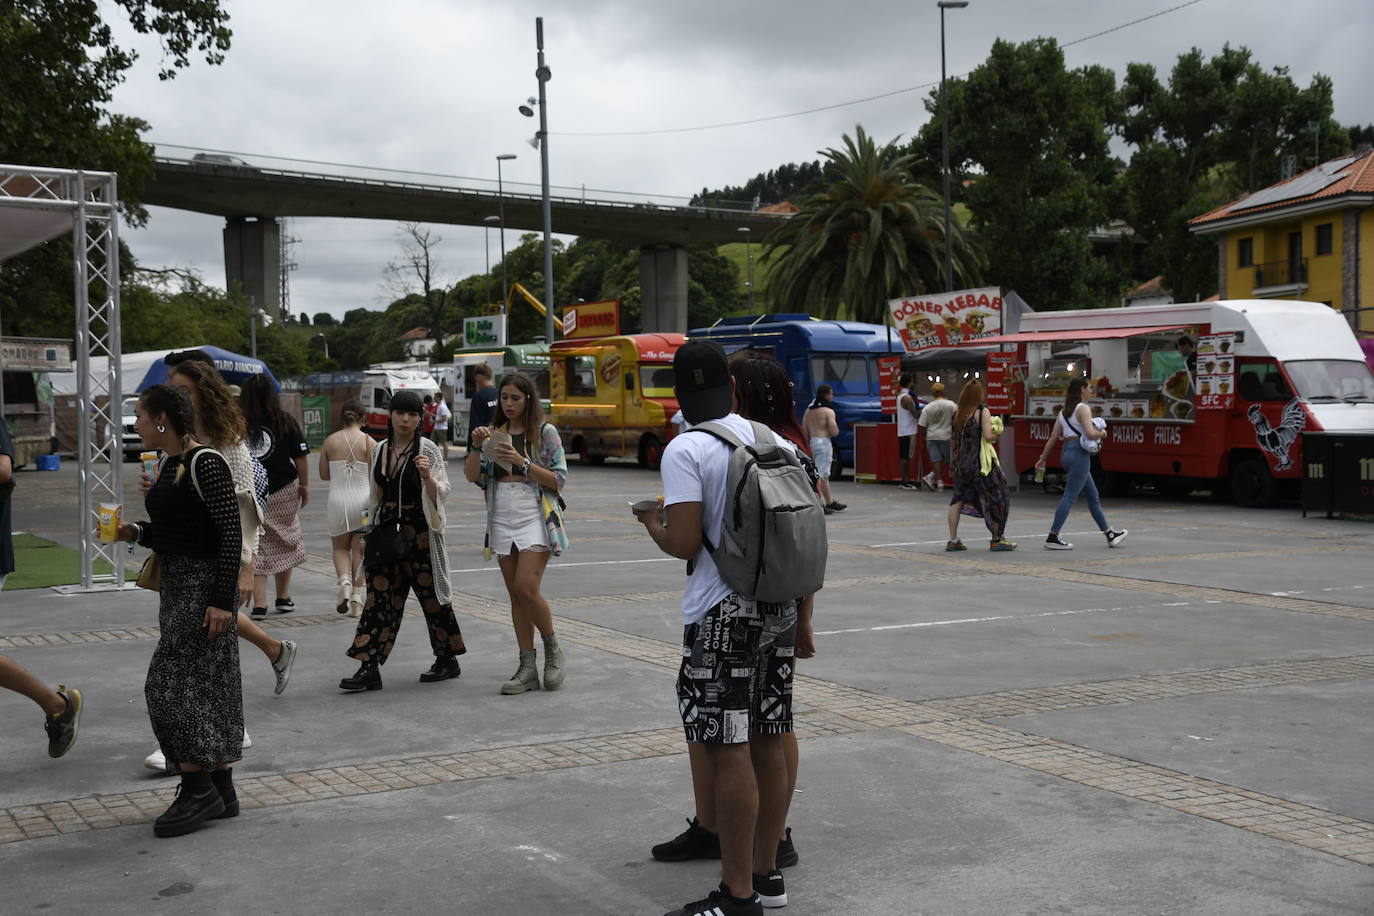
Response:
column 784, row 183
column 870, row 234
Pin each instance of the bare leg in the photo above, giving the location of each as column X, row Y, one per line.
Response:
column 824, row 487
column 14, row 677
column 356, row 559
column 792, row 755
column 524, row 630
column 283, row 583
column 703, row 785
column 737, row 809
column 257, row 636
column 523, row 571
column 939, row 471
column 769, row 759
column 341, row 548
column 954, row 509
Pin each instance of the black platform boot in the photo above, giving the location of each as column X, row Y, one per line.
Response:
column 445, row 667
column 197, row 801
column 224, row 784
column 367, row 677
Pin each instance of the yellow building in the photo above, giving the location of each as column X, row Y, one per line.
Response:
column 1309, row 237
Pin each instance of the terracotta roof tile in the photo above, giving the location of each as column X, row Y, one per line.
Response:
column 415, row 334
column 1358, row 178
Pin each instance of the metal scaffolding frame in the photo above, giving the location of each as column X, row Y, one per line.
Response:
column 89, row 200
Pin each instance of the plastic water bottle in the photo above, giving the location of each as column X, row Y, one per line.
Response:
column 1039, row 475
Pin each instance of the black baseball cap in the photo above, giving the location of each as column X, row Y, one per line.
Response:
column 701, row 379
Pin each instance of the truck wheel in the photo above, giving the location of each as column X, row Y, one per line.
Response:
column 1115, row 484
column 584, row 453
column 1251, row 485
column 650, row 452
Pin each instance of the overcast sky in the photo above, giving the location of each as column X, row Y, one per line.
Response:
column 432, row 86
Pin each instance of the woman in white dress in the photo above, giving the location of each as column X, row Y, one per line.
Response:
column 344, row 463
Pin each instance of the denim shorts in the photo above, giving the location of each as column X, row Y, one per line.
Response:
column 736, row 674
column 938, row 449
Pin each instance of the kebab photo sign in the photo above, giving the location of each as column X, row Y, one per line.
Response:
column 1216, row 371
column 947, row 319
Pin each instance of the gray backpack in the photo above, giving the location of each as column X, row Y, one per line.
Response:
column 772, row 540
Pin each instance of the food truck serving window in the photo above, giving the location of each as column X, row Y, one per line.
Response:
column 656, row 381
column 844, row 373
column 581, row 375
column 1331, row 380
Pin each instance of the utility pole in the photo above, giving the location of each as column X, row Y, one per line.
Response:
column 288, row 264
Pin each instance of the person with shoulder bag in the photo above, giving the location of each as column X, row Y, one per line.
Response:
column 1082, row 436
column 523, row 478
column 193, row 689
column 404, row 551
column 980, row 488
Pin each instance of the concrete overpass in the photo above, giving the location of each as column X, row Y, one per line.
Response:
column 251, row 199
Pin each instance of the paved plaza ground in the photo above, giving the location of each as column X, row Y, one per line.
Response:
column 1180, row 726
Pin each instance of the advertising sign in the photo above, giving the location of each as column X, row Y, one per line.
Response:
column 35, row 353
column 889, row 371
column 484, row 331
column 315, row 419
column 1216, row 371
column 947, row 319
column 1001, row 382
column 591, row 319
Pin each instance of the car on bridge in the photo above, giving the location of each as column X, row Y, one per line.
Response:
column 221, row 159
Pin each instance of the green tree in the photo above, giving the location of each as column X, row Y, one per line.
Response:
column 1030, row 138
column 869, row 235
column 1219, row 129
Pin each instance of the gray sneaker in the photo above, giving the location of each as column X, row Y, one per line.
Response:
column 62, row 728
column 282, row 666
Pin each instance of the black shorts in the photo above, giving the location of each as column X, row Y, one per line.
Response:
column 736, row 674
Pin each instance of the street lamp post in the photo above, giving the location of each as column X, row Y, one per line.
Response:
column 944, row 131
column 541, row 140
column 501, row 206
column 749, row 261
column 486, row 233
column 320, row 334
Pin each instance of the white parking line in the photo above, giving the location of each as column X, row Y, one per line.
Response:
column 946, row 623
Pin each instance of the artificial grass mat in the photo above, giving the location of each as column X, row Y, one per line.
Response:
column 39, row 563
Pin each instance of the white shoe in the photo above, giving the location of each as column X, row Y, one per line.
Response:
column 247, row 741
column 157, row 762
column 355, row 603
column 929, row 479
column 345, row 592
column 281, row 669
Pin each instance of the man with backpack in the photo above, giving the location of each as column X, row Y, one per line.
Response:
column 751, row 554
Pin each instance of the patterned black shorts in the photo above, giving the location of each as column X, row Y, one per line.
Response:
column 736, row 674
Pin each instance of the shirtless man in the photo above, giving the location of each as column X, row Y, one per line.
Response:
column 821, row 427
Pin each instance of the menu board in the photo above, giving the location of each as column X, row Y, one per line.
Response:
column 1001, row 382
column 1216, row 371
column 889, row 375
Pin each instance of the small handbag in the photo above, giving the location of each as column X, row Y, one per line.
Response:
column 384, row 542
column 150, row 576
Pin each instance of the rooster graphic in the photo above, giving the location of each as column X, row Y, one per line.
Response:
column 1278, row 440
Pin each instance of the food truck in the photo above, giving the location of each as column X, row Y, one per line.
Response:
column 527, row 359
column 613, row 396
column 381, row 381
column 842, row 354
column 1229, row 418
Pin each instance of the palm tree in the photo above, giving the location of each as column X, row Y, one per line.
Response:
column 872, row 234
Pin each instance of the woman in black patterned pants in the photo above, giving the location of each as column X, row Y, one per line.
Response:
column 407, row 473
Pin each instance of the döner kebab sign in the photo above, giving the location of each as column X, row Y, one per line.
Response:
column 947, row 319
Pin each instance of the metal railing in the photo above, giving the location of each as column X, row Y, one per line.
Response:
column 1288, row 272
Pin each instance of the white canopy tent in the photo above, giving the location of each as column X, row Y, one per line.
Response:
column 38, row 204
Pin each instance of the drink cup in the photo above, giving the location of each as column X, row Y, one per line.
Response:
column 149, row 461
column 1039, row 475
column 110, row 516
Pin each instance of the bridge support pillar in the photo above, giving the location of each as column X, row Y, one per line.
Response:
column 252, row 261
column 663, row 288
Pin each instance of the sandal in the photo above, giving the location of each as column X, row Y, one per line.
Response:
column 955, row 544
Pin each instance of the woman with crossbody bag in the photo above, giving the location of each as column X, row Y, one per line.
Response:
column 404, row 551
column 1075, row 428
column 524, row 520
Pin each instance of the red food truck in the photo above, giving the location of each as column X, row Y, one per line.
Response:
column 1229, row 416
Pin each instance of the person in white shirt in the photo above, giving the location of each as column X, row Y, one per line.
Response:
column 937, row 419
column 441, row 417
column 907, row 415
column 728, row 645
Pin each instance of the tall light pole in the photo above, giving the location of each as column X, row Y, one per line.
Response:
column 543, row 74
column 944, row 130
column 749, row 260
column 486, row 233
column 501, row 208
column 321, row 335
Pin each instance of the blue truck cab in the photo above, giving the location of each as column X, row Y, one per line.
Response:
column 842, row 354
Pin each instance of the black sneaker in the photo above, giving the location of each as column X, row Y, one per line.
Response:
column 442, row 669
column 839, row 507
column 720, row 903
column 259, row 612
column 62, row 728
column 787, row 853
column 1055, row 542
column 696, row 842
column 1114, row 538
column 770, row 890
column 285, row 605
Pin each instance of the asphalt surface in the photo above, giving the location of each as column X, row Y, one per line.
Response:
column 1178, row 726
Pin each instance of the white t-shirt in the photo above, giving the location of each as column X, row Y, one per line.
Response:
column 906, row 420
column 694, row 469
column 441, row 415
column 938, row 419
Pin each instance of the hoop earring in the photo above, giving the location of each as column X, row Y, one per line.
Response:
column 162, row 429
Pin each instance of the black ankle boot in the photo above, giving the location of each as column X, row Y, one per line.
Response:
column 224, row 784
column 445, row 667
column 367, row 677
column 197, row 801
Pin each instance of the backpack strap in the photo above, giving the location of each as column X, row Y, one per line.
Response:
column 194, row 458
